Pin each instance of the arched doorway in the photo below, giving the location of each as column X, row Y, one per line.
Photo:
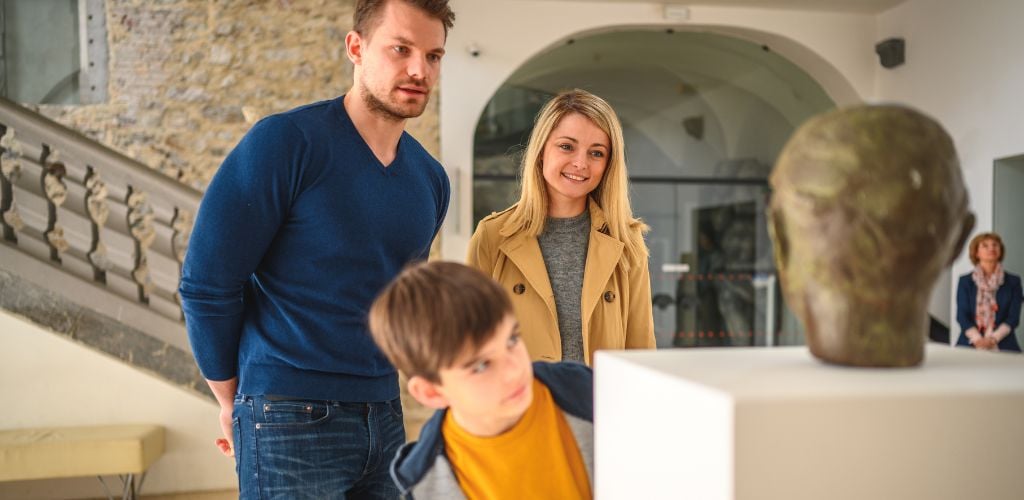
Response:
column 704, row 116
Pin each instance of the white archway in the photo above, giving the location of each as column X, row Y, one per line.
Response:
column 507, row 33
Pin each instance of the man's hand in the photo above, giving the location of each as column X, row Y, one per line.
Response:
column 226, row 444
column 224, row 391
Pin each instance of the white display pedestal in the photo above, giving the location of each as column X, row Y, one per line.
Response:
column 775, row 423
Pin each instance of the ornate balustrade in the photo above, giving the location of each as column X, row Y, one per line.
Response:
column 91, row 211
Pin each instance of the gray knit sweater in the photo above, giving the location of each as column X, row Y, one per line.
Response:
column 564, row 247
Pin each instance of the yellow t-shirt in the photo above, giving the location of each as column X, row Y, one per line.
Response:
column 536, row 458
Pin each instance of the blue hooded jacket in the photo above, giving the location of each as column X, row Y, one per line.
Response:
column 422, row 471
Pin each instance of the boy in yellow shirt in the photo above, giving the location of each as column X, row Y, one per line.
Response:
column 505, row 428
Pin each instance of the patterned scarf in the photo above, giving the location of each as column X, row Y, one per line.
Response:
column 986, row 307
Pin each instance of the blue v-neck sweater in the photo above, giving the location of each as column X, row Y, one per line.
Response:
column 298, row 232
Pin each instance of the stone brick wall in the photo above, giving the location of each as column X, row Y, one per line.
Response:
column 187, row 78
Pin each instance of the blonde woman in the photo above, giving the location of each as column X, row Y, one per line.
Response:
column 570, row 251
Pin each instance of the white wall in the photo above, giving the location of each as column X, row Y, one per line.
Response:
column 834, row 49
column 49, row 380
column 964, row 67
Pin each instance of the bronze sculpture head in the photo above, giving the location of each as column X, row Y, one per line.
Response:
column 868, row 207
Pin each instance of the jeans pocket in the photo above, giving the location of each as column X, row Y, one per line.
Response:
column 294, row 413
column 396, row 408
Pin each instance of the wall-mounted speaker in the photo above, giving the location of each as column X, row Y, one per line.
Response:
column 891, row 52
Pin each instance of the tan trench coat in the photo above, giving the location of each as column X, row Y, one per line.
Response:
column 616, row 297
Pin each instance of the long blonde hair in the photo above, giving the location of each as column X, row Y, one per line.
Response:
column 611, row 194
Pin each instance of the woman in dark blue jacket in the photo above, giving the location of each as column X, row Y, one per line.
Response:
column 988, row 299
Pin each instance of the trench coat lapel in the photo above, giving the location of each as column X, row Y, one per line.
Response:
column 603, row 254
column 524, row 252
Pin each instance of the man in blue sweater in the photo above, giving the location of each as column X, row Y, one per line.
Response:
column 311, row 215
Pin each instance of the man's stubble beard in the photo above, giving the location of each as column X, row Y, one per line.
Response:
column 386, row 110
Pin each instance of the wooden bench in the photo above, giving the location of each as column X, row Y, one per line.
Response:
column 62, row 452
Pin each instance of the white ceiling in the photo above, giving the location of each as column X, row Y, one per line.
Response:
column 860, row 6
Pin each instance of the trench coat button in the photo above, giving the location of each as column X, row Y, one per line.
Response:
column 609, row 296
column 519, row 289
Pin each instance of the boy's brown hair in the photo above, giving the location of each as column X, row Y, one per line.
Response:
column 368, row 12
column 430, row 313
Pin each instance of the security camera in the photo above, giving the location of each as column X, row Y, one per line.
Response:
column 473, row 50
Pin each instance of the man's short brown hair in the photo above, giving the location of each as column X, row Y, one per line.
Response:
column 976, row 242
column 430, row 313
column 367, row 13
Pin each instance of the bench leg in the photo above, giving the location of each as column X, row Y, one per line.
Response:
column 128, row 493
column 129, row 490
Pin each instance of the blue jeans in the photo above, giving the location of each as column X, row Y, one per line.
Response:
column 297, row 449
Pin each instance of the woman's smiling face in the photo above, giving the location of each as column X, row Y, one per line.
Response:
column 573, row 163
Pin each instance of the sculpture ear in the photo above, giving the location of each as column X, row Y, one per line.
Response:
column 965, row 231
column 780, row 241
